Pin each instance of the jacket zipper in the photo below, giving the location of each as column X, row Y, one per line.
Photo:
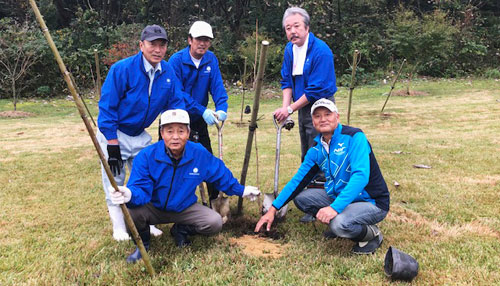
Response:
column 147, row 110
column 171, row 183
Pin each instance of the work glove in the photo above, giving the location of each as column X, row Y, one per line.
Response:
column 221, row 115
column 209, row 117
column 122, row 196
column 251, row 193
column 115, row 161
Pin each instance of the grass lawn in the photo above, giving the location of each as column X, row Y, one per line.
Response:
column 55, row 230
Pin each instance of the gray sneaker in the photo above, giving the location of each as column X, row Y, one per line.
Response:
column 307, row 218
column 368, row 247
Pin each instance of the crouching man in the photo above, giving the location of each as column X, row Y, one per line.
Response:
column 162, row 184
column 355, row 197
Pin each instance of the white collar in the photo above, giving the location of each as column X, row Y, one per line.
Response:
column 325, row 144
column 148, row 66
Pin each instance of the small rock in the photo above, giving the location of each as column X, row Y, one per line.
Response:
column 422, row 166
column 396, row 184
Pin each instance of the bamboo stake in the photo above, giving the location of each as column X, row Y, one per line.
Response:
column 256, row 52
column 253, row 121
column 243, row 86
column 393, row 83
column 257, row 171
column 79, row 105
column 351, row 87
column 98, row 72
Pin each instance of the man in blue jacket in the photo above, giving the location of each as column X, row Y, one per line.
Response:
column 198, row 70
column 355, row 197
column 308, row 74
column 163, row 181
column 134, row 93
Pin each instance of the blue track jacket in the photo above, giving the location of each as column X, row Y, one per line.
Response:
column 199, row 81
column 125, row 104
column 171, row 187
column 318, row 78
column 351, row 170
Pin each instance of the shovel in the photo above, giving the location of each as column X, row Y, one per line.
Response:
column 221, row 203
column 269, row 198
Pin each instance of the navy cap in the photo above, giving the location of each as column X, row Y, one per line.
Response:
column 153, row 32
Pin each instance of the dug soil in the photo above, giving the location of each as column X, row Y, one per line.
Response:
column 15, row 114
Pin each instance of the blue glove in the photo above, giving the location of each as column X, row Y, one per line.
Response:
column 209, row 117
column 221, row 115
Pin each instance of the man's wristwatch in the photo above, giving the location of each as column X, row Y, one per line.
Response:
column 290, row 110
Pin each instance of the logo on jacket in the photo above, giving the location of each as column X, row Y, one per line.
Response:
column 194, row 172
column 168, row 80
column 339, row 151
column 208, row 69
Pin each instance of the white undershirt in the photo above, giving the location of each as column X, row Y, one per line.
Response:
column 325, row 144
column 299, row 57
column 196, row 61
column 151, row 72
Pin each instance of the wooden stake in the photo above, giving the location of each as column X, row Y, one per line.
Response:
column 353, row 81
column 393, row 83
column 253, row 121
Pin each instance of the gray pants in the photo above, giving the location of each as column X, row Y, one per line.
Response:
column 205, row 220
column 306, row 128
column 349, row 222
column 130, row 146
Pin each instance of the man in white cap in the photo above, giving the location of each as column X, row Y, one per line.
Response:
column 162, row 185
column 355, row 197
column 198, row 70
column 136, row 90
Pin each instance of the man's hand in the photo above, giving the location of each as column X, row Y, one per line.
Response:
column 281, row 114
column 209, row 117
column 221, row 115
column 268, row 219
column 122, row 196
column 251, row 193
column 326, row 214
column 115, row 161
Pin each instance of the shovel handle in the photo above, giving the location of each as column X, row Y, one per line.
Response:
column 219, row 136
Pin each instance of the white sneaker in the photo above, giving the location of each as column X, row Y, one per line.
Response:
column 155, row 231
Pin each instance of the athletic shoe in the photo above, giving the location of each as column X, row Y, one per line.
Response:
column 368, row 247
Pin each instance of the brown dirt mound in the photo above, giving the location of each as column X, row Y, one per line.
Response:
column 402, row 92
column 15, row 114
column 259, row 246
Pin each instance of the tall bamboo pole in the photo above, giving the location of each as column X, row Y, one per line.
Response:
column 79, row 105
column 98, row 72
column 243, row 83
column 353, row 81
column 253, row 121
column 393, row 84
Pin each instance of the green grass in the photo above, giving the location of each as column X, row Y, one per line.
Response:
column 54, row 227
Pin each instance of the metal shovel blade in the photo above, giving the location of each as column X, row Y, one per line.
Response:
column 268, row 202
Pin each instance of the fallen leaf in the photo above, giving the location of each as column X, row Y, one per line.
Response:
column 422, row 166
column 20, row 133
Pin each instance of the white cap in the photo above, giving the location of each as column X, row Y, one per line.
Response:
column 200, row 29
column 174, row 116
column 323, row 102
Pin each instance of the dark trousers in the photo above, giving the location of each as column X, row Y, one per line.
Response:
column 199, row 133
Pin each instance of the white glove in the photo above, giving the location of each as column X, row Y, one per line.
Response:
column 210, row 117
column 122, row 196
column 251, row 193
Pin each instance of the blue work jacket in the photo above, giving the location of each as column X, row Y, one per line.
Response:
column 199, row 81
column 351, row 170
column 125, row 102
column 318, row 78
column 170, row 185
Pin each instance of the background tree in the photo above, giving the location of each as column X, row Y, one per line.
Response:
column 20, row 49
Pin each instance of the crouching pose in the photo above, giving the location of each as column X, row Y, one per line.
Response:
column 355, row 197
column 162, row 184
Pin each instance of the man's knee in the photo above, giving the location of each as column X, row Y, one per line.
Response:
column 211, row 225
column 340, row 225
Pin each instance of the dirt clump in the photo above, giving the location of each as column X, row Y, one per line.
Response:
column 403, row 92
column 15, row 114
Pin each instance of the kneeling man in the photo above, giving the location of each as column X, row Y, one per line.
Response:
column 355, row 197
column 162, row 184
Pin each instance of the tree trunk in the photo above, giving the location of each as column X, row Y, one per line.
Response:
column 13, row 83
